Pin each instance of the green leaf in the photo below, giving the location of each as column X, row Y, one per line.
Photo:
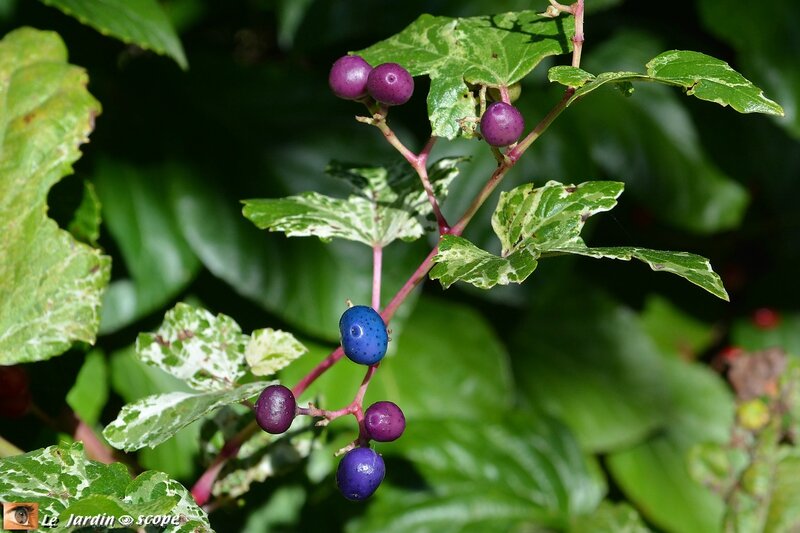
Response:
column 133, row 380
column 691, row 267
column 491, row 50
column 50, row 284
column 154, row 419
column 533, row 222
column 569, row 76
column 140, row 22
column 520, row 475
column 460, row 260
column 139, row 217
column 193, row 345
column 783, row 513
column 385, row 207
column 270, row 350
column 88, row 395
column 85, row 224
column 606, row 384
column 150, row 486
column 654, row 475
column 674, row 331
column 610, row 518
column 62, row 481
column 700, row 75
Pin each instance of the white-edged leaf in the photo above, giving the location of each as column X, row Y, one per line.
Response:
column 270, row 350
column 536, row 222
column 700, row 75
column 154, row 419
column 460, row 260
column 192, row 344
column 151, row 485
column 691, row 267
column 551, row 215
column 388, row 204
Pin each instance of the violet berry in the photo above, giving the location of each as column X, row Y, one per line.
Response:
column 384, row 421
column 348, row 77
column 276, row 408
column 390, row 84
column 359, row 474
column 501, row 124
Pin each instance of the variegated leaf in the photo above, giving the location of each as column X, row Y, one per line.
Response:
column 154, row 419
column 270, row 350
column 192, row 344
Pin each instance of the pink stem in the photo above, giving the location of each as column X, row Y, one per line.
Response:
column 377, row 260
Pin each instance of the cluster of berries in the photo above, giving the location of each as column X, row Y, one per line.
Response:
column 364, row 340
column 352, row 78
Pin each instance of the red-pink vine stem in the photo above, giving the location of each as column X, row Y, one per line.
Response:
column 377, row 265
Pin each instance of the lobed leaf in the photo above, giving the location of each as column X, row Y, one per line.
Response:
column 50, row 284
column 197, row 347
column 270, row 350
column 387, row 205
column 140, row 22
column 493, row 51
column 154, row 419
column 700, row 75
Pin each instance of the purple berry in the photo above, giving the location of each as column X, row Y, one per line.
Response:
column 363, row 335
column 390, row 84
column 501, row 124
column 360, row 473
column 275, row 409
column 348, row 77
column 384, row 421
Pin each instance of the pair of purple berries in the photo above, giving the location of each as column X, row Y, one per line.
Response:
column 361, row 470
column 352, row 78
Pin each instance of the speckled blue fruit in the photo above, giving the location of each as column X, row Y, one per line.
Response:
column 363, row 335
column 360, row 473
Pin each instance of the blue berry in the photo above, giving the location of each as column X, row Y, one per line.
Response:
column 363, row 335
column 359, row 474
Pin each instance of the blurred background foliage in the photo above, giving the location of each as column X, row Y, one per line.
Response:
column 527, row 405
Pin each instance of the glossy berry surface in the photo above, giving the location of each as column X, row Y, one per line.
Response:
column 390, row 84
column 348, row 77
column 363, row 335
column 501, row 124
column 360, row 473
column 384, row 421
column 275, row 409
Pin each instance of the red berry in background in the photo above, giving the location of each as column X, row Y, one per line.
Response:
column 501, row 124
column 390, row 84
column 17, row 406
column 15, row 398
column 13, row 381
column 348, row 77
column 766, row 318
